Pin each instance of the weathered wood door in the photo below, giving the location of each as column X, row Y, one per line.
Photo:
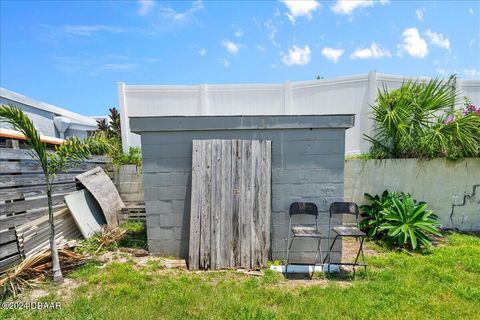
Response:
column 230, row 204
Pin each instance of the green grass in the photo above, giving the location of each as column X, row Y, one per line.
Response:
column 444, row 284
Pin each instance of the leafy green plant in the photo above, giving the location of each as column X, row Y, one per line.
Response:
column 69, row 154
column 111, row 131
column 408, row 223
column 419, row 120
column 397, row 219
column 373, row 215
column 133, row 156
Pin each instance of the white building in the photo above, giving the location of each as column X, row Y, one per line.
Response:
column 344, row 95
column 48, row 119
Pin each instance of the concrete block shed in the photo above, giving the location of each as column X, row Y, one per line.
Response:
column 307, row 165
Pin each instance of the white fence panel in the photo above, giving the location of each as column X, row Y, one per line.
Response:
column 344, row 95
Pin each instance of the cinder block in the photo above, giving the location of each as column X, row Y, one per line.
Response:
column 171, row 220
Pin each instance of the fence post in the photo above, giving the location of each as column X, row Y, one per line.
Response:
column 204, row 107
column 366, row 124
column 288, row 97
column 125, row 125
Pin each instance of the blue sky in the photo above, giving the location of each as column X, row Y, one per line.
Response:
column 72, row 54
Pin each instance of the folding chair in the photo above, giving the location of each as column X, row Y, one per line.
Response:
column 346, row 231
column 303, row 208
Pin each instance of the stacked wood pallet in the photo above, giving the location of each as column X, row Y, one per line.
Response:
column 133, row 212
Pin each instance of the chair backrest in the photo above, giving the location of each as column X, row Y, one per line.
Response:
column 309, row 208
column 344, row 208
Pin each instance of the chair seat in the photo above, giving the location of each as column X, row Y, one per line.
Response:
column 349, row 232
column 306, row 232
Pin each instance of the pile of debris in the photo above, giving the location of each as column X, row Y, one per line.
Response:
column 91, row 212
column 34, row 269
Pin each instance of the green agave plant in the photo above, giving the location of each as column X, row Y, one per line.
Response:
column 372, row 214
column 408, row 223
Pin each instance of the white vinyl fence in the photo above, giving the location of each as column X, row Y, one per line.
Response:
column 344, row 95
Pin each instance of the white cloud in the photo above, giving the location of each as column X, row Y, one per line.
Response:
column 238, row 33
column 185, row 16
column 471, row 73
column 438, row 39
column 419, row 13
column 231, row 46
column 260, row 47
column 413, row 43
column 441, row 71
column 272, row 32
column 226, row 63
column 301, row 8
column 297, row 55
column 373, row 52
column 145, row 7
column 202, row 51
column 332, row 54
column 88, row 30
column 346, row 7
column 470, row 10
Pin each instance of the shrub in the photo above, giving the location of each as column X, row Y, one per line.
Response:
column 133, row 156
column 418, row 120
column 399, row 220
column 409, row 223
column 373, row 213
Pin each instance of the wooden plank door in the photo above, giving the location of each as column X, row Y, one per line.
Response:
column 230, row 204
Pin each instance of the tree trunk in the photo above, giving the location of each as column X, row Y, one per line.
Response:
column 57, row 271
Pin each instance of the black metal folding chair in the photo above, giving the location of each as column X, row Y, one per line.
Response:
column 303, row 231
column 346, row 231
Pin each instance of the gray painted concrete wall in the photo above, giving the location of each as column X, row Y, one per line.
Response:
column 129, row 182
column 307, row 165
column 439, row 182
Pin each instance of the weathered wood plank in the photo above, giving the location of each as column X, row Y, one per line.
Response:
column 9, row 249
column 7, row 236
column 10, row 261
column 196, row 205
column 21, row 206
column 205, row 230
column 236, row 190
column 215, row 201
column 266, row 179
column 226, row 205
column 26, row 154
column 246, row 204
column 255, row 223
column 30, row 166
column 35, row 191
column 15, row 180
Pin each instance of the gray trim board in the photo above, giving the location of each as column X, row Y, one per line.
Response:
column 208, row 123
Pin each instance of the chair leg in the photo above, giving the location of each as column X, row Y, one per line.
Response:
column 363, row 259
column 330, row 252
column 360, row 250
column 288, row 255
column 319, row 249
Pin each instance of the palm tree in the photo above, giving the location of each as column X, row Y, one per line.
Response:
column 70, row 153
column 419, row 120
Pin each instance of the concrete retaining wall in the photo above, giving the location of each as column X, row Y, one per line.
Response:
column 439, row 182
